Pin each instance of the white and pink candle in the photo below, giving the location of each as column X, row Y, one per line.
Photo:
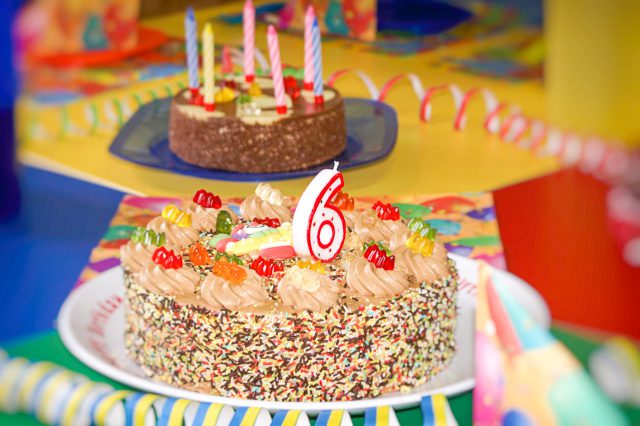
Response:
column 318, row 228
column 276, row 70
column 309, row 17
column 249, row 28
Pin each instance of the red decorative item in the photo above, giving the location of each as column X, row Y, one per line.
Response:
column 290, row 82
column 266, row 267
column 380, row 257
column 167, row 258
column 344, row 202
column 231, row 84
column 267, row 221
column 207, row 199
column 199, row 255
column 386, row 211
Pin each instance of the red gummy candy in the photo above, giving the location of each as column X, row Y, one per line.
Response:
column 379, row 257
column 207, row 199
column 386, row 211
column 266, row 267
column 167, row 258
column 267, row 221
column 290, row 82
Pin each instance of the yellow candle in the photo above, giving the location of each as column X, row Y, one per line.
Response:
column 207, row 67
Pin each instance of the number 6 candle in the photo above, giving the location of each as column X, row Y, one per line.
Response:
column 318, row 228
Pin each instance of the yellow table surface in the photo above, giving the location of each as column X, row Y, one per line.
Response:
column 428, row 158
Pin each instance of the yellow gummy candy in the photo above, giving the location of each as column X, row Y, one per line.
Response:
column 177, row 216
column 421, row 245
column 311, row 265
column 224, row 95
column 254, row 90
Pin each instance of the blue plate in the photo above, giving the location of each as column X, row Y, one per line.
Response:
column 372, row 129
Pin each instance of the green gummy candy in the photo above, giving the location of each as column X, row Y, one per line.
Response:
column 224, row 223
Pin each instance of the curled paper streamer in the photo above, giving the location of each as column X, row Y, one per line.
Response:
column 334, row 418
column 436, row 411
column 212, row 414
column 110, row 408
column 380, row 416
column 251, row 416
column 290, row 418
column 76, row 409
column 590, row 155
column 10, row 375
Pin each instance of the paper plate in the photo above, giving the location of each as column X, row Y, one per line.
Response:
column 91, row 325
column 372, row 129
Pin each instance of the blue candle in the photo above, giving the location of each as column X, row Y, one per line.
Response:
column 317, row 63
column 191, row 40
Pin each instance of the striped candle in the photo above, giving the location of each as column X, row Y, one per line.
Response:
column 191, row 41
column 309, row 18
column 317, row 64
column 207, row 67
column 276, row 69
column 249, row 27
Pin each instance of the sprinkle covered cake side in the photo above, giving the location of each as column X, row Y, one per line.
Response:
column 225, row 303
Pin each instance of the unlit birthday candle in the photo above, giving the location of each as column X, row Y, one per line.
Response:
column 191, row 40
column 317, row 64
column 276, row 69
column 318, row 228
column 207, row 68
column 309, row 18
column 227, row 63
column 249, row 27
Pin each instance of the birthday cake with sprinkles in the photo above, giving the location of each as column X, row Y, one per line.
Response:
column 322, row 299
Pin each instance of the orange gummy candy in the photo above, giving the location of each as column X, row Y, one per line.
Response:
column 199, row 255
column 230, row 271
column 343, row 201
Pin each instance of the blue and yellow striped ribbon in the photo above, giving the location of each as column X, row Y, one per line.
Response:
column 172, row 413
column 35, row 373
column 380, row 416
column 434, row 411
column 290, row 418
column 76, row 398
column 137, row 407
column 10, row 375
column 333, row 418
column 44, row 394
column 248, row 416
column 103, row 406
column 211, row 414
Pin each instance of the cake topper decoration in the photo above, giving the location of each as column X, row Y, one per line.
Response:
column 276, row 70
column 207, row 199
column 224, row 222
column 191, row 41
column 249, row 28
column 176, row 216
column 318, row 85
column 167, row 258
column 266, row 267
column 230, row 271
column 208, row 63
column 148, row 236
column 311, row 265
column 198, row 255
column 267, row 221
column 318, row 226
column 379, row 255
column 386, row 211
column 309, row 18
column 423, row 237
column 344, row 202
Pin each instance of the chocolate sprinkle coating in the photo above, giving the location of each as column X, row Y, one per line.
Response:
column 346, row 352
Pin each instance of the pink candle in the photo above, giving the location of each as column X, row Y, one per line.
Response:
column 227, row 63
column 308, row 48
column 276, row 69
column 249, row 26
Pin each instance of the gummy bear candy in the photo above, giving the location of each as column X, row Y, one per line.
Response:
column 167, row 258
column 230, row 257
column 207, row 199
column 231, row 272
column 343, row 201
column 386, row 211
column 177, row 216
column 422, row 239
column 224, row 95
column 267, row 221
column 266, row 267
column 254, row 90
column 379, row 256
column 311, row 265
column 148, row 237
column 224, row 223
column 199, row 255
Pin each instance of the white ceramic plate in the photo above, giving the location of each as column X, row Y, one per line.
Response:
column 91, row 325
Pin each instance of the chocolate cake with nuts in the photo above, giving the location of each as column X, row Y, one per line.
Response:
column 217, row 301
column 245, row 133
